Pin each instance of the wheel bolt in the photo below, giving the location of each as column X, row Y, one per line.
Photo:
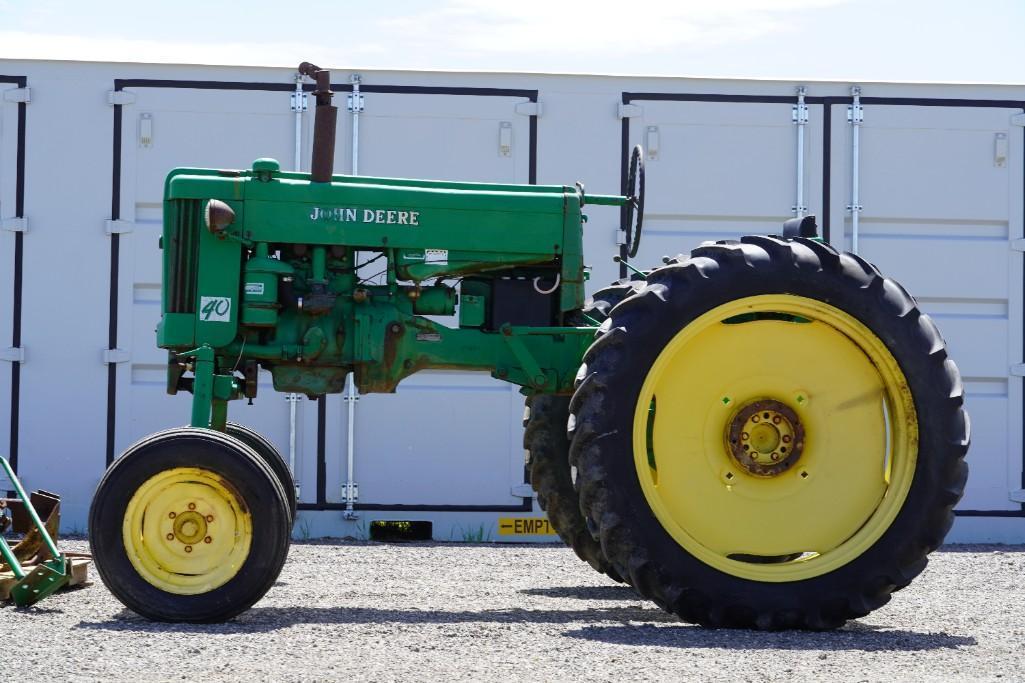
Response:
column 776, row 420
column 171, row 515
column 188, row 548
column 786, row 438
column 209, row 518
column 754, row 419
column 208, row 540
column 170, row 537
column 192, row 506
column 774, row 456
column 745, row 436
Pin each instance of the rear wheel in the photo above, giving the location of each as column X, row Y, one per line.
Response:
column 547, row 446
column 546, row 442
column 770, row 434
column 189, row 525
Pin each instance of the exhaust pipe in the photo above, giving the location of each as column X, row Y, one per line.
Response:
column 322, row 165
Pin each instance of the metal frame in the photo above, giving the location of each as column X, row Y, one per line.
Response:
column 827, row 104
column 121, row 84
column 19, row 260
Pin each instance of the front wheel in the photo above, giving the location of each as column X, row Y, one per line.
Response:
column 189, row 525
column 769, row 435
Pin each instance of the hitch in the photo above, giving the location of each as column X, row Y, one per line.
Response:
column 34, row 568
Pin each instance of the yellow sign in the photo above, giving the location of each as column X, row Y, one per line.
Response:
column 525, row 526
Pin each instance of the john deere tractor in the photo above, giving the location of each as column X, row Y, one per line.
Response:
column 766, row 433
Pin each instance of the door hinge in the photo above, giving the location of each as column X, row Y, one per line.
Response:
column 1018, row 120
column 299, row 102
column 118, row 227
column 119, row 97
column 116, row 356
column 522, row 491
column 14, row 224
column 19, row 95
column 627, row 111
column 620, row 236
column 1018, row 496
column 350, row 492
column 1018, row 245
column 13, row 354
column 528, row 109
column 1018, row 370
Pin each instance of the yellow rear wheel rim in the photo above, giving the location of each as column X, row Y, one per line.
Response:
column 187, row 531
column 854, row 412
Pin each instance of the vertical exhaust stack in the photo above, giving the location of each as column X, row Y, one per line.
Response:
column 322, row 166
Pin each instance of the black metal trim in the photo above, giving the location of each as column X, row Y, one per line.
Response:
column 19, row 262
column 121, row 83
column 989, row 513
column 322, row 450
column 827, row 160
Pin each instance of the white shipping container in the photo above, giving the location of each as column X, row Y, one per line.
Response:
column 927, row 179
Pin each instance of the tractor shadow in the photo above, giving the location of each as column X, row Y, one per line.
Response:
column 634, row 626
column 619, row 592
column 853, row 637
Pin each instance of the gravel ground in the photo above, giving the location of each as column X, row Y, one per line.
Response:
column 369, row 611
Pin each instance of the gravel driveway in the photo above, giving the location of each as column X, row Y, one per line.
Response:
column 369, row 611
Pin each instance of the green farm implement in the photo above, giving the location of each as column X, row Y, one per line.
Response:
column 764, row 433
column 34, row 568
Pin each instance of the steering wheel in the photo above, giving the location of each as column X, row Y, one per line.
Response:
column 635, row 202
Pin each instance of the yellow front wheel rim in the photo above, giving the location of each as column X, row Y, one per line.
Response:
column 187, row 531
column 818, row 375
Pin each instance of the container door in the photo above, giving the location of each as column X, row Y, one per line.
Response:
column 719, row 170
column 212, row 128
column 446, row 438
column 941, row 197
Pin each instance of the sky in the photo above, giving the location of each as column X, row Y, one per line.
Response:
column 977, row 41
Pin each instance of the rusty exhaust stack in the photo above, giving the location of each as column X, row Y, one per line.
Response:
column 322, row 166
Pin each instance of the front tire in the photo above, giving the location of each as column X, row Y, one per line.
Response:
column 266, row 450
column 769, row 435
column 189, row 525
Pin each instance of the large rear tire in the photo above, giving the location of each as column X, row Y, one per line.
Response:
column 769, row 435
column 547, row 446
column 189, row 525
column 546, row 441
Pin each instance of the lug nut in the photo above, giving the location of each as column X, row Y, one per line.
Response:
column 786, row 438
column 774, row 456
column 209, row 518
column 192, row 506
column 207, row 540
column 754, row 418
column 170, row 537
column 745, row 436
column 776, row 420
column 171, row 515
column 188, row 548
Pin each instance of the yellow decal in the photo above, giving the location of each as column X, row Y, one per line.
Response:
column 525, row 526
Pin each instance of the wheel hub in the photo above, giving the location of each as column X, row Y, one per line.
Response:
column 765, row 437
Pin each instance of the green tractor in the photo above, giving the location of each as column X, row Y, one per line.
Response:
column 766, row 433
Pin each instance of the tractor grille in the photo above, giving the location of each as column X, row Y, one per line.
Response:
column 184, row 256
